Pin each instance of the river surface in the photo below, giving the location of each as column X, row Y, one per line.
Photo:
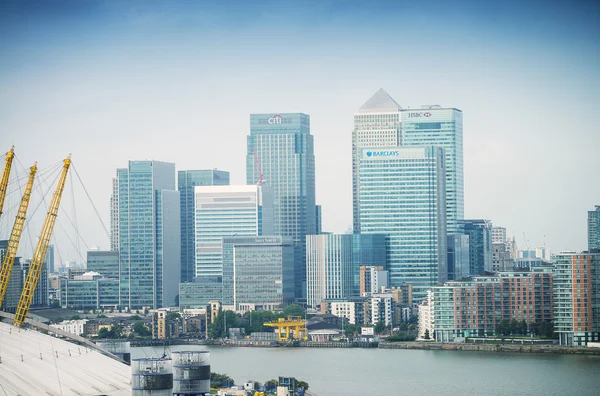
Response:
column 357, row 372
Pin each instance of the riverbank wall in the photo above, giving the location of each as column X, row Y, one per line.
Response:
column 435, row 346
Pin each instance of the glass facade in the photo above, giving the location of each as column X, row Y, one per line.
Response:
column 223, row 211
column 200, row 292
column 594, row 230
column 149, row 234
column 333, row 264
column 89, row 294
column 15, row 283
column 282, row 147
column 186, row 181
column 441, row 127
column 258, row 273
column 376, row 124
column 402, row 195
column 458, row 256
column 105, row 263
column 480, row 245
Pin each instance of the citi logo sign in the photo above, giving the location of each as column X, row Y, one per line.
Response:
column 276, row 119
column 425, row 114
column 382, row 153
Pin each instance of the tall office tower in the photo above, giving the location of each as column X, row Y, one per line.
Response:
column 105, row 263
column 319, row 219
column 114, row 215
column 15, row 283
column 186, row 181
column 50, row 258
column 281, row 153
column 258, row 272
column 594, row 230
column 442, row 127
column 376, row 124
column 458, row 256
column 149, row 234
column 40, row 295
column 403, row 195
column 480, row 245
column 225, row 211
column 576, row 297
column 498, row 235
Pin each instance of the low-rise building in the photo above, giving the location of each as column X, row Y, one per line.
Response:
column 353, row 309
column 162, row 326
column 72, row 326
column 475, row 308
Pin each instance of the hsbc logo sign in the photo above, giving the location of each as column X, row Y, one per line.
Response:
column 419, row 114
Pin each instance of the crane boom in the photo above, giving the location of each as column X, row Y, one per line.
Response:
column 15, row 236
column 5, row 176
column 35, row 268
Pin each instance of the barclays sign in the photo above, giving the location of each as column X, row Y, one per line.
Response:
column 391, row 153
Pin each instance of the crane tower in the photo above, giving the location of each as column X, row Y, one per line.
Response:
column 33, row 275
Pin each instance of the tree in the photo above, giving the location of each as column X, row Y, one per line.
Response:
column 173, row 315
column 217, row 380
column 302, row 384
column 427, row 337
column 135, row 317
column 103, row 333
column 272, row 383
column 141, row 329
column 217, row 329
column 75, row 317
column 379, row 327
column 293, row 310
column 101, row 316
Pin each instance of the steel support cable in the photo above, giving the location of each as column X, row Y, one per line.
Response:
column 92, row 202
column 75, row 218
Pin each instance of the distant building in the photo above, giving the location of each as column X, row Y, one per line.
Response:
column 77, row 327
column 576, row 285
column 258, row 272
column 475, row 308
column 15, row 283
column 402, row 195
column 186, row 181
column 162, row 326
column 333, row 261
column 458, row 256
column 381, row 309
column 376, row 124
column 105, row 263
column 594, row 230
column 280, row 153
column 355, row 309
column 224, row 211
column 148, row 234
column 372, row 279
column 501, row 260
column 319, row 221
column 199, row 292
column 426, row 317
column 40, row 295
column 498, row 235
column 480, row 245
column 89, row 291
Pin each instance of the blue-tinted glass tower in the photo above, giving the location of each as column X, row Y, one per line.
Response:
column 442, row 127
column 149, row 234
column 281, row 153
column 402, row 194
column 186, row 181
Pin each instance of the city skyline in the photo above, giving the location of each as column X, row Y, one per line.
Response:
column 167, row 103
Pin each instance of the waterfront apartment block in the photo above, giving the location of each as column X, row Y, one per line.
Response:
column 333, row 262
column 372, row 279
column 224, row 211
column 475, row 308
column 594, row 230
column 577, row 297
column 402, row 195
column 186, row 181
column 280, row 154
column 354, row 309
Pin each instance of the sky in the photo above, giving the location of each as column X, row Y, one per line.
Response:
column 176, row 81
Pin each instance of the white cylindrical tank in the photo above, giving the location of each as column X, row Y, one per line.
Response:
column 151, row 377
column 191, row 373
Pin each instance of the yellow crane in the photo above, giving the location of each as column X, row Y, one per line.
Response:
column 293, row 326
column 15, row 236
column 5, row 176
column 35, row 268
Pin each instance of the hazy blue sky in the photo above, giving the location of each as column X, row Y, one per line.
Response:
column 110, row 81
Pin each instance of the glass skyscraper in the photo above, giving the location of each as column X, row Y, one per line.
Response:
column 402, row 195
column 225, row 211
column 149, row 234
column 281, row 153
column 480, row 245
column 442, row 127
column 376, row 124
column 186, row 181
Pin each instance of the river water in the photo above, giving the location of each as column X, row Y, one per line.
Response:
column 357, row 372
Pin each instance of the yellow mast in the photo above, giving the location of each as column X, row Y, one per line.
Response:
column 35, row 268
column 4, row 181
column 15, row 236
